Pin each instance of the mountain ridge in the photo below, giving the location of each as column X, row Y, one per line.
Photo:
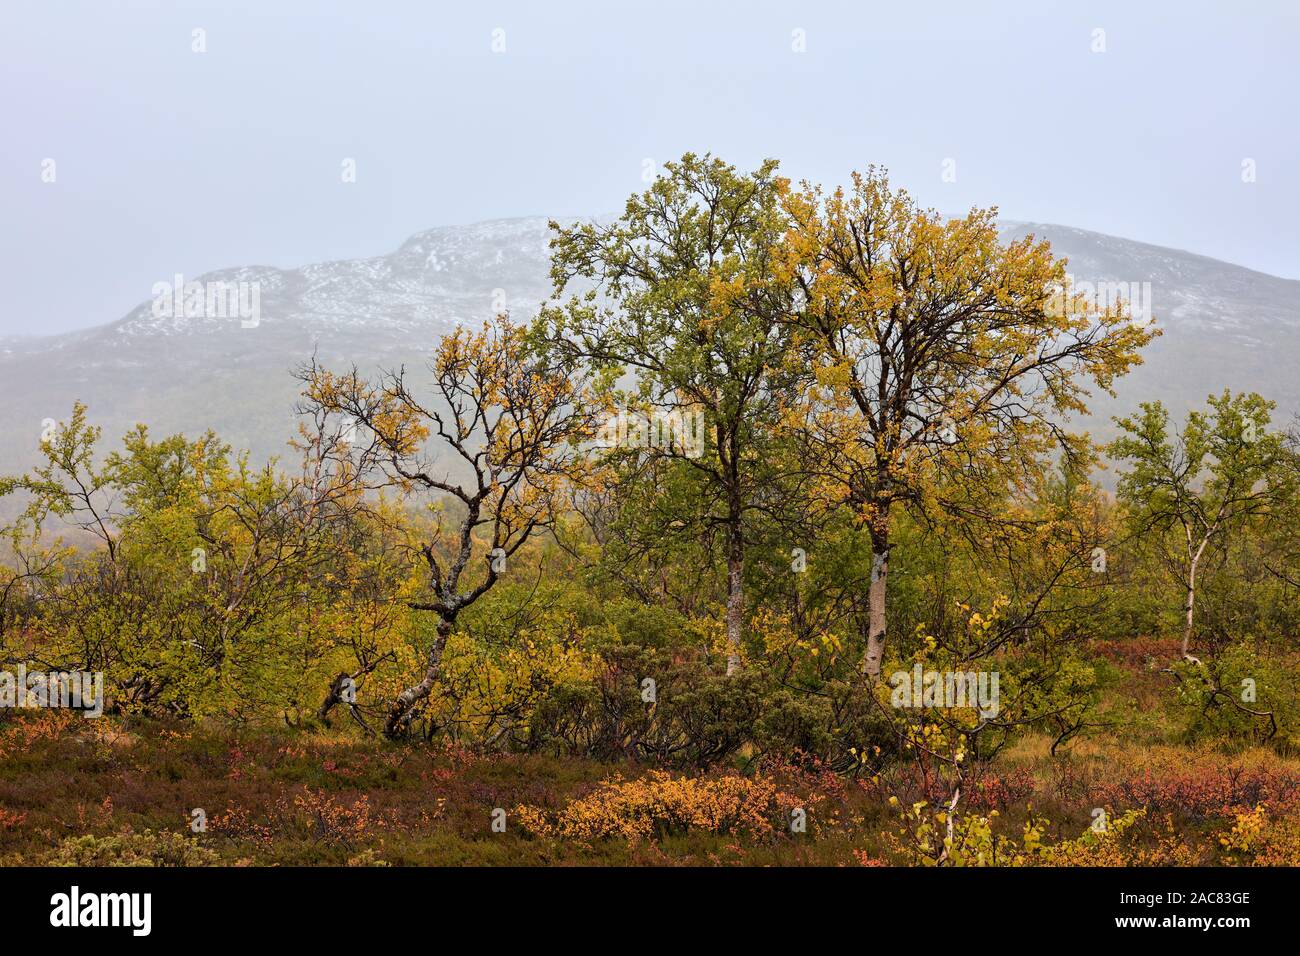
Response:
column 1224, row 325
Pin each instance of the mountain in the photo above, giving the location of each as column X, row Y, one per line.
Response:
column 180, row 372
column 1224, row 326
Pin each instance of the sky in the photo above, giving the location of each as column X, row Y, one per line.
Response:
column 1168, row 122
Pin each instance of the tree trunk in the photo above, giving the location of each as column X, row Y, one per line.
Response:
column 1190, row 606
column 333, row 697
column 399, row 714
column 735, row 599
column 875, row 652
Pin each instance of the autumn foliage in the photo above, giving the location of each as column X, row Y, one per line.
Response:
column 729, row 633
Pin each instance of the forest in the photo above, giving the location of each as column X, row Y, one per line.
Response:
column 773, row 538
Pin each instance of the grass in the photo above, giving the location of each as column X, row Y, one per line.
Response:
column 278, row 796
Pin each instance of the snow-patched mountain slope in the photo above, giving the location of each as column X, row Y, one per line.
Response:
column 1224, row 326
column 436, row 279
column 1188, row 289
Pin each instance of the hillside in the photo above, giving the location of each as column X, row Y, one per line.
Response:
column 1224, row 326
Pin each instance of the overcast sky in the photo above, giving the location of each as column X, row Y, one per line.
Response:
column 168, row 160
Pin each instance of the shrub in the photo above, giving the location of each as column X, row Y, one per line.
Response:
column 1203, row 791
column 130, row 849
column 1217, row 700
column 660, row 804
column 322, row 817
column 1258, row 839
column 696, row 717
column 931, row 836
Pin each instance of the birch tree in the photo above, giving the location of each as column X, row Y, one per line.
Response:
column 1189, row 491
column 498, row 435
column 694, row 309
column 939, row 362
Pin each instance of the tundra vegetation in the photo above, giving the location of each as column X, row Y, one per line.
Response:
column 853, row 591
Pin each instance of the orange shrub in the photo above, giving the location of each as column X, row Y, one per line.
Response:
column 22, row 732
column 660, row 803
column 325, row 817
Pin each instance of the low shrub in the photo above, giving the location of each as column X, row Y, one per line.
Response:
column 146, row 848
column 660, row 804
